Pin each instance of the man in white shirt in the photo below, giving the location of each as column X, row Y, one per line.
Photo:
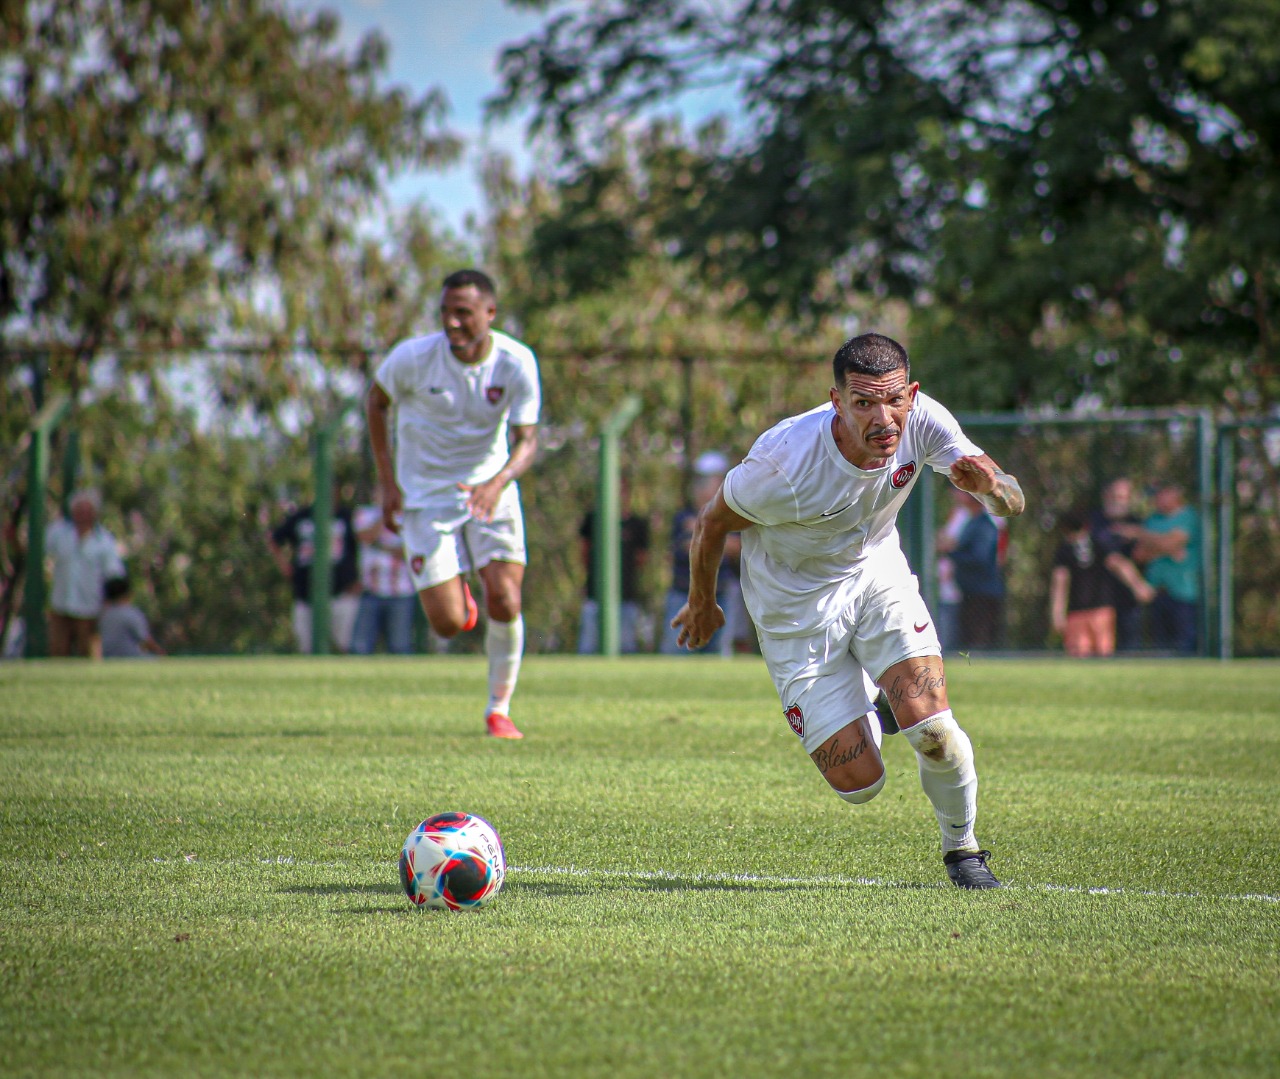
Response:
column 833, row 599
column 84, row 557
column 466, row 411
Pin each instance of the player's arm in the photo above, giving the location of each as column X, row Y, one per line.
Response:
column 1129, row 574
column 1000, row 492
column 484, row 496
column 701, row 616
column 377, row 409
column 1059, row 584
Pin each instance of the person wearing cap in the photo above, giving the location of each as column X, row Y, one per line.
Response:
column 709, row 470
column 85, row 556
column 837, row 609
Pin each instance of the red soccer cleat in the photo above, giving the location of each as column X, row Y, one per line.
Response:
column 473, row 611
column 500, row 726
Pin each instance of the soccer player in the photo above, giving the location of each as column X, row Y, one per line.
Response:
column 830, row 591
column 466, row 406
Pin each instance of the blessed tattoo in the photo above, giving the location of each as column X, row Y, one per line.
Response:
column 835, row 755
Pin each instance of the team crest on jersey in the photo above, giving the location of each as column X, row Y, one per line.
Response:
column 796, row 718
column 493, row 394
column 416, row 563
column 903, row 475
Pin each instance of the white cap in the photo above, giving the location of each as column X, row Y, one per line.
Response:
column 711, row 463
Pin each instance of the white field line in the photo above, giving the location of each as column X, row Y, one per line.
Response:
column 817, row 881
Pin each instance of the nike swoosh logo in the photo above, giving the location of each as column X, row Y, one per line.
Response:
column 836, row 513
column 920, row 629
column 436, row 389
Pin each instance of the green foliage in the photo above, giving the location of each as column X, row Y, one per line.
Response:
column 1078, row 198
column 200, row 875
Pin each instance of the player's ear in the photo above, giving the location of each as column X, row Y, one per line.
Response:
column 912, row 390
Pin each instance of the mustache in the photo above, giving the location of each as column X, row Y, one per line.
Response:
column 884, row 431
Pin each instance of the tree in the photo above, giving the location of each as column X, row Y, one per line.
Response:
column 183, row 176
column 1077, row 195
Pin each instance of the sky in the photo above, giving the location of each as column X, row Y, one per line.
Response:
column 453, row 45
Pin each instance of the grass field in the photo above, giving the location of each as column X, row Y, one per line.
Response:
column 199, row 876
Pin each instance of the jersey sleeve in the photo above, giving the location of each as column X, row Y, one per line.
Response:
column 526, row 401
column 758, row 490
column 391, row 372
column 944, row 442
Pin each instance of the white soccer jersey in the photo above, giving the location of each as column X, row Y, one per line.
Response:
column 821, row 521
column 452, row 417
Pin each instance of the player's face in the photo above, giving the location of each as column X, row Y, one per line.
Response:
column 872, row 411
column 466, row 314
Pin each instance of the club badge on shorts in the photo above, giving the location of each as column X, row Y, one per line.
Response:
column 796, row 718
column 416, row 563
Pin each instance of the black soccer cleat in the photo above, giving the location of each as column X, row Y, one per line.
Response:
column 968, row 869
column 888, row 722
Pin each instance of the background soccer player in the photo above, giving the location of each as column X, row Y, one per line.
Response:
column 835, row 603
column 466, row 403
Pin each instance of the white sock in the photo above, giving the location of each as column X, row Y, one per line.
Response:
column 504, row 645
column 877, row 732
column 944, row 755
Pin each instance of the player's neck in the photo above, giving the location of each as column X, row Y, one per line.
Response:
column 476, row 352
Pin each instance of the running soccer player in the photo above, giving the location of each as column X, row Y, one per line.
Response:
column 835, row 604
column 466, row 405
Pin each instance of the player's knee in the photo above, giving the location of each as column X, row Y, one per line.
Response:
column 862, row 794
column 941, row 744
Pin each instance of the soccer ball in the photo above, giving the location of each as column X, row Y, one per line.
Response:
column 452, row 861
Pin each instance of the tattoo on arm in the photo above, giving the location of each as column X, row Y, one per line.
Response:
column 1006, row 498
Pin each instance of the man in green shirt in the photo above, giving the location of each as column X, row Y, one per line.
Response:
column 1170, row 548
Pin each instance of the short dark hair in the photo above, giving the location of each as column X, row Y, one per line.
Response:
column 476, row 279
column 1074, row 519
column 116, row 587
column 869, row 354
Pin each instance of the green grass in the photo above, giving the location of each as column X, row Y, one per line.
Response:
column 199, row 876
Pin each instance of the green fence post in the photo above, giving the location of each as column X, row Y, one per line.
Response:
column 606, row 553
column 34, row 592
column 1226, row 541
column 322, row 534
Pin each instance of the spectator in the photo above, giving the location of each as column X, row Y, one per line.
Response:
column 975, row 556
column 387, row 596
column 709, row 470
column 634, row 536
column 292, row 545
column 1169, row 548
column 1116, row 527
column 125, row 633
column 1082, row 592
column 949, row 595
column 84, row 557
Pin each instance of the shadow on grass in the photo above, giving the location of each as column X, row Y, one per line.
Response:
column 340, row 889
column 676, row 885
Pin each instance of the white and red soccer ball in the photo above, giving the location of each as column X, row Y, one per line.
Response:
column 453, row 861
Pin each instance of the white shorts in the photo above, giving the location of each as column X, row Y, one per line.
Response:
column 827, row 681
column 443, row 540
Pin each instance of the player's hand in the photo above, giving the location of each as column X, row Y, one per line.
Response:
column 696, row 627
column 977, row 475
column 482, row 498
column 392, row 503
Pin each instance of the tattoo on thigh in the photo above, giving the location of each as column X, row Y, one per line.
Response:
column 834, row 756
column 923, row 680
